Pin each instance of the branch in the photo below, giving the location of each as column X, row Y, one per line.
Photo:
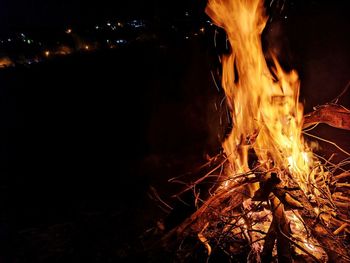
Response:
column 332, row 114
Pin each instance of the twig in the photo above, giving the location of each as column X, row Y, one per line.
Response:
column 335, row 100
column 330, row 142
column 341, row 228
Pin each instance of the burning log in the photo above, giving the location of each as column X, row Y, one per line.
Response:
column 330, row 243
column 332, row 114
column 283, row 230
column 280, row 196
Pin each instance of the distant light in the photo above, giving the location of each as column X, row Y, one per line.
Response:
column 107, row 40
column 108, row 24
column 119, row 24
column 47, row 53
column 121, row 41
column 187, row 37
column 23, row 35
column 29, row 41
column 69, row 30
column 97, row 27
column 9, row 39
column 136, row 23
column 187, row 13
column 286, row 17
column 202, row 29
column 87, row 47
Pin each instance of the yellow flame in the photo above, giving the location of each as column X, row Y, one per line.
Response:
column 259, row 103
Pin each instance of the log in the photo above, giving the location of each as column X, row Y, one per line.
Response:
column 282, row 195
column 266, row 255
column 284, row 251
column 196, row 221
column 332, row 114
column 336, row 251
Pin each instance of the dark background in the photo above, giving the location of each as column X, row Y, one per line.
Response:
column 55, row 13
column 83, row 137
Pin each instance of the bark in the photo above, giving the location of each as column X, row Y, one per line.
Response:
column 266, row 255
column 280, row 221
column 332, row 114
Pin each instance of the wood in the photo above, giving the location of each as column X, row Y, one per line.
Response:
column 336, row 251
column 266, row 255
column 282, row 195
column 332, row 114
column 284, row 250
column 197, row 221
column 279, row 229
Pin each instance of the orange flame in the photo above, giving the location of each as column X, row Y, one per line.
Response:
column 262, row 107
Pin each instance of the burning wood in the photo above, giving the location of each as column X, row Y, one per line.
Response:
column 332, row 114
column 286, row 205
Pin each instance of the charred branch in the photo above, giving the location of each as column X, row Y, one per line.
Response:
column 332, row 114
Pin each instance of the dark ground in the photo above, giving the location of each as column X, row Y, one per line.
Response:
column 80, row 141
column 83, row 137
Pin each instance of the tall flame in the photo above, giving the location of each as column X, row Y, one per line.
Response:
column 266, row 112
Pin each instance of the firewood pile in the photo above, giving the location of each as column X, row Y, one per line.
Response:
column 279, row 222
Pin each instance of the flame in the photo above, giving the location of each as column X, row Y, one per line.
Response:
column 262, row 107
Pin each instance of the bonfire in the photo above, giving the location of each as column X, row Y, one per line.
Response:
column 272, row 198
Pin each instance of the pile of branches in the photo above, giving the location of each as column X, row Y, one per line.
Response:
column 279, row 222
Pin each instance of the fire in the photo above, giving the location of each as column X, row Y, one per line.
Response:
column 286, row 202
column 267, row 114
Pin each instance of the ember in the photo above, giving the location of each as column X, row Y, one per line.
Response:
column 287, row 204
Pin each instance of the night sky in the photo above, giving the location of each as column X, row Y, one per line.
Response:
column 48, row 13
column 57, row 12
column 16, row 14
